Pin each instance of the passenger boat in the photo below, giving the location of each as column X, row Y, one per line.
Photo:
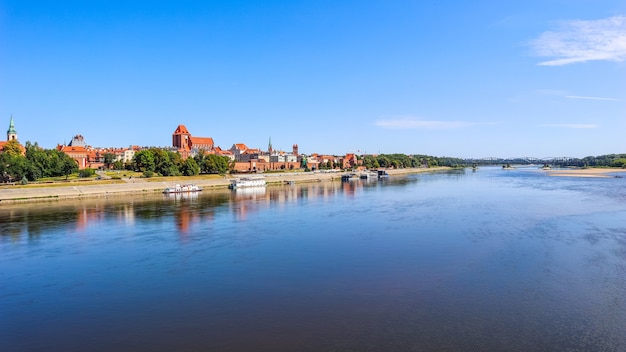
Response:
column 367, row 175
column 182, row 189
column 248, row 182
column 349, row 177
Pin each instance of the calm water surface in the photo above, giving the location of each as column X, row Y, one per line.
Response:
column 492, row 260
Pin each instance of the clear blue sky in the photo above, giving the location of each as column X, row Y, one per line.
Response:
column 446, row 78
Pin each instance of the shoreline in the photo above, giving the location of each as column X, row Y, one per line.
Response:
column 53, row 192
column 590, row 172
column 75, row 190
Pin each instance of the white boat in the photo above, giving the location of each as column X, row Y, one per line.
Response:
column 248, row 182
column 367, row 175
column 182, row 189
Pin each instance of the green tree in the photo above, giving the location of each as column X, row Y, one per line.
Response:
column 12, row 147
column 68, row 166
column 37, row 161
column 12, row 167
column 177, row 162
column 60, row 164
column 109, row 158
column 222, row 164
column 620, row 162
column 383, row 161
column 213, row 164
column 162, row 162
column 144, row 161
column 190, row 167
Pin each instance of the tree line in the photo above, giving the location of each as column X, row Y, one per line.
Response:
column 31, row 162
column 155, row 161
column 609, row 160
column 34, row 164
column 400, row 161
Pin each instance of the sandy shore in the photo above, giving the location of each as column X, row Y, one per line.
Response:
column 31, row 193
column 607, row 173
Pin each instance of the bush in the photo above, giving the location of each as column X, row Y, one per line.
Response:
column 86, row 172
column 148, row 173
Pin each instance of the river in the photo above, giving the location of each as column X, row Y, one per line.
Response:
column 485, row 260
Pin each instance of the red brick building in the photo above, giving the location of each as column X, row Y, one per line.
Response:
column 350, row 161
column 186, row 143
column 79, row 154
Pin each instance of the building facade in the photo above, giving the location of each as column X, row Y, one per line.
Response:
column 188, row 145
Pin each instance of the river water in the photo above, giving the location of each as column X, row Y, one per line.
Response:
column 491, row 260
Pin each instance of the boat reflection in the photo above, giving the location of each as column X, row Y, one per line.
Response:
column 192, row 210
column 182, row 196
column 249, row 191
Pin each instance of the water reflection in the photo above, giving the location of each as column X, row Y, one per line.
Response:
column 497, row 261
column 187, row 209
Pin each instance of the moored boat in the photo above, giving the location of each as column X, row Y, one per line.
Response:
column 367, row 175
column 182, row 189
column 253, row 181
column 349, row 177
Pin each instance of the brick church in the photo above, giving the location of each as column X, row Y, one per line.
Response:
column 188, row 145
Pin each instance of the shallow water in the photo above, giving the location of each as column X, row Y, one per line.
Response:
column 490, row 260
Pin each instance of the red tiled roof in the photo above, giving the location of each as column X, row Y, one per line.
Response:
column 65, row 149
column 181, row 129
column 202, row 140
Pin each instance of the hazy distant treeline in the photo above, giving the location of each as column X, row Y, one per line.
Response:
column 609, row 160
column 403, row 161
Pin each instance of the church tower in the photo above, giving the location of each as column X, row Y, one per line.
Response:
column 11, row 133
column 181, row 138
column 270, row 150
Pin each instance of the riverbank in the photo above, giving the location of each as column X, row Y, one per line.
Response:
column 51, row 192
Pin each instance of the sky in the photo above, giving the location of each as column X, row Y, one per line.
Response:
column 469, row 79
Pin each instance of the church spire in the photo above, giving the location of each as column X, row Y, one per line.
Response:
column 11, row 133
column 269, row 147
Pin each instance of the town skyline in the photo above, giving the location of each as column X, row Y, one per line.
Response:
column 486, row 79
column 241, row 146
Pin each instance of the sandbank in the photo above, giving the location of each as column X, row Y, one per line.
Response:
column 591, row 172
